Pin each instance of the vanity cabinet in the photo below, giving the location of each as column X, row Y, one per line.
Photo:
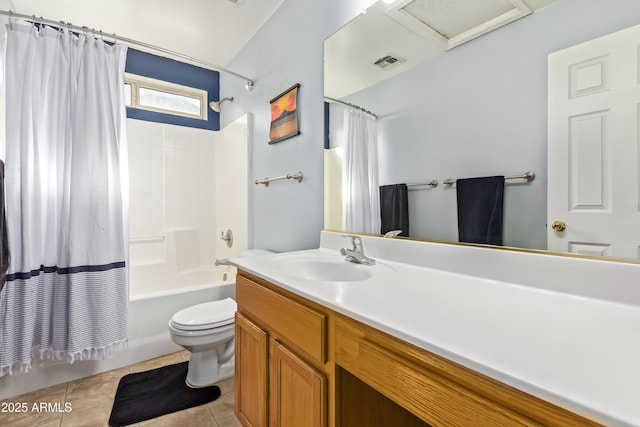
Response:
column 434, row 389
column 282, row 366
column 299, row 363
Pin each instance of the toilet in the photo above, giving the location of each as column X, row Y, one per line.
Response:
column 206, row 330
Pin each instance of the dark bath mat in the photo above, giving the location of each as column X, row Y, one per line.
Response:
column 145, row 395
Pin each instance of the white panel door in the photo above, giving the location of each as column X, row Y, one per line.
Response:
column 594, row 110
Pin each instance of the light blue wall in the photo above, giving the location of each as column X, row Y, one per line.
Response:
column 288, row 49
column 481, row 109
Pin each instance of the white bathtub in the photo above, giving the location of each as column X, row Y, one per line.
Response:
column 149, row 337
column 150, row 313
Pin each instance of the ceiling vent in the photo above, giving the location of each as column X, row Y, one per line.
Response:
column 389, row 61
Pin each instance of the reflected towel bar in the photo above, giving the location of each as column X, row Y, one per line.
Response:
column 297, row 176
column 432, row 184
column 528, row 176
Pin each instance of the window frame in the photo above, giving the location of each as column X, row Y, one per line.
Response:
column 137, row 81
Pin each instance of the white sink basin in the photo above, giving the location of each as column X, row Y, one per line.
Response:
column 324, row 267
column 326, row 271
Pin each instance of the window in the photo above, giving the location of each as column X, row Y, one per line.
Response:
column 163, row 97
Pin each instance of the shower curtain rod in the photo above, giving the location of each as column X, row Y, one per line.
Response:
column 326, row 98
column 128, row 41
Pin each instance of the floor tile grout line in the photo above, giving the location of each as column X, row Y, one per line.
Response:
column 213, row 416
column 66, row 394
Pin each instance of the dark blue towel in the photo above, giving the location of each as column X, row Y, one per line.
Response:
column 480, row 206
column 394, row 209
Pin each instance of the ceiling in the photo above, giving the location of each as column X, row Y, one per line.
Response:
column 393, row 36
column 213, row 31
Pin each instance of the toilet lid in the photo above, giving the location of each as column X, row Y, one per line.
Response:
column 205, row 316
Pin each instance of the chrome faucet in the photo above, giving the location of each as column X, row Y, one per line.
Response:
column 392, row 233
column 356, row 254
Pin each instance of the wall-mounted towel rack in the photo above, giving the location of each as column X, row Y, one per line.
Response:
column 432, row 184
column 297, row 176
column 528, row 176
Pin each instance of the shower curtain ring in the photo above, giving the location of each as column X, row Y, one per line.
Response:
column 36, row 25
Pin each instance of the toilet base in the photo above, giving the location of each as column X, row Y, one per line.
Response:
column 224, row 374
column 209, row 367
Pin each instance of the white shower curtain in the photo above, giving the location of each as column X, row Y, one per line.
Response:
column 65, row 153
column 360, row 191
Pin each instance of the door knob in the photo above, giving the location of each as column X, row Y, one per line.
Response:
column 558, row 225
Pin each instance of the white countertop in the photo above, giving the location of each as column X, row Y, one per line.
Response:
column 579, row 352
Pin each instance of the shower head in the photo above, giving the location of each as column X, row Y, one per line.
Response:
column 215, row 105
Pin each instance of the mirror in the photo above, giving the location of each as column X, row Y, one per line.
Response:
column 466, row 99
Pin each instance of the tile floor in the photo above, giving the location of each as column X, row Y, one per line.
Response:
column 91, row 400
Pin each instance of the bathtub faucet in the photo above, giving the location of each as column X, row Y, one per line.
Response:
column 222, row 262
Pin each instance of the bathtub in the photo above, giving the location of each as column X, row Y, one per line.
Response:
column 150, row 309
column 149, row 314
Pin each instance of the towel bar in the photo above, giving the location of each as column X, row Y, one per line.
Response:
column 432, row 184
column 528, row 176
column 297, row 176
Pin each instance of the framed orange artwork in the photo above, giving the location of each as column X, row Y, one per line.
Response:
column 284, row 115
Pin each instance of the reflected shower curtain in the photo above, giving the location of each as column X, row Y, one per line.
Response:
column 66, row 291
column 360, row 192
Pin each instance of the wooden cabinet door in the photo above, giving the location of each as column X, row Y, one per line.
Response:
column 298, row 391
column 251, row 381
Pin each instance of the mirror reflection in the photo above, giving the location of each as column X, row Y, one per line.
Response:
column 471, row 97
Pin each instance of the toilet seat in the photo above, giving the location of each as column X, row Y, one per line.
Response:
column 209, row 315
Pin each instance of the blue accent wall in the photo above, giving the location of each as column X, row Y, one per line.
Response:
column 157, row 67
